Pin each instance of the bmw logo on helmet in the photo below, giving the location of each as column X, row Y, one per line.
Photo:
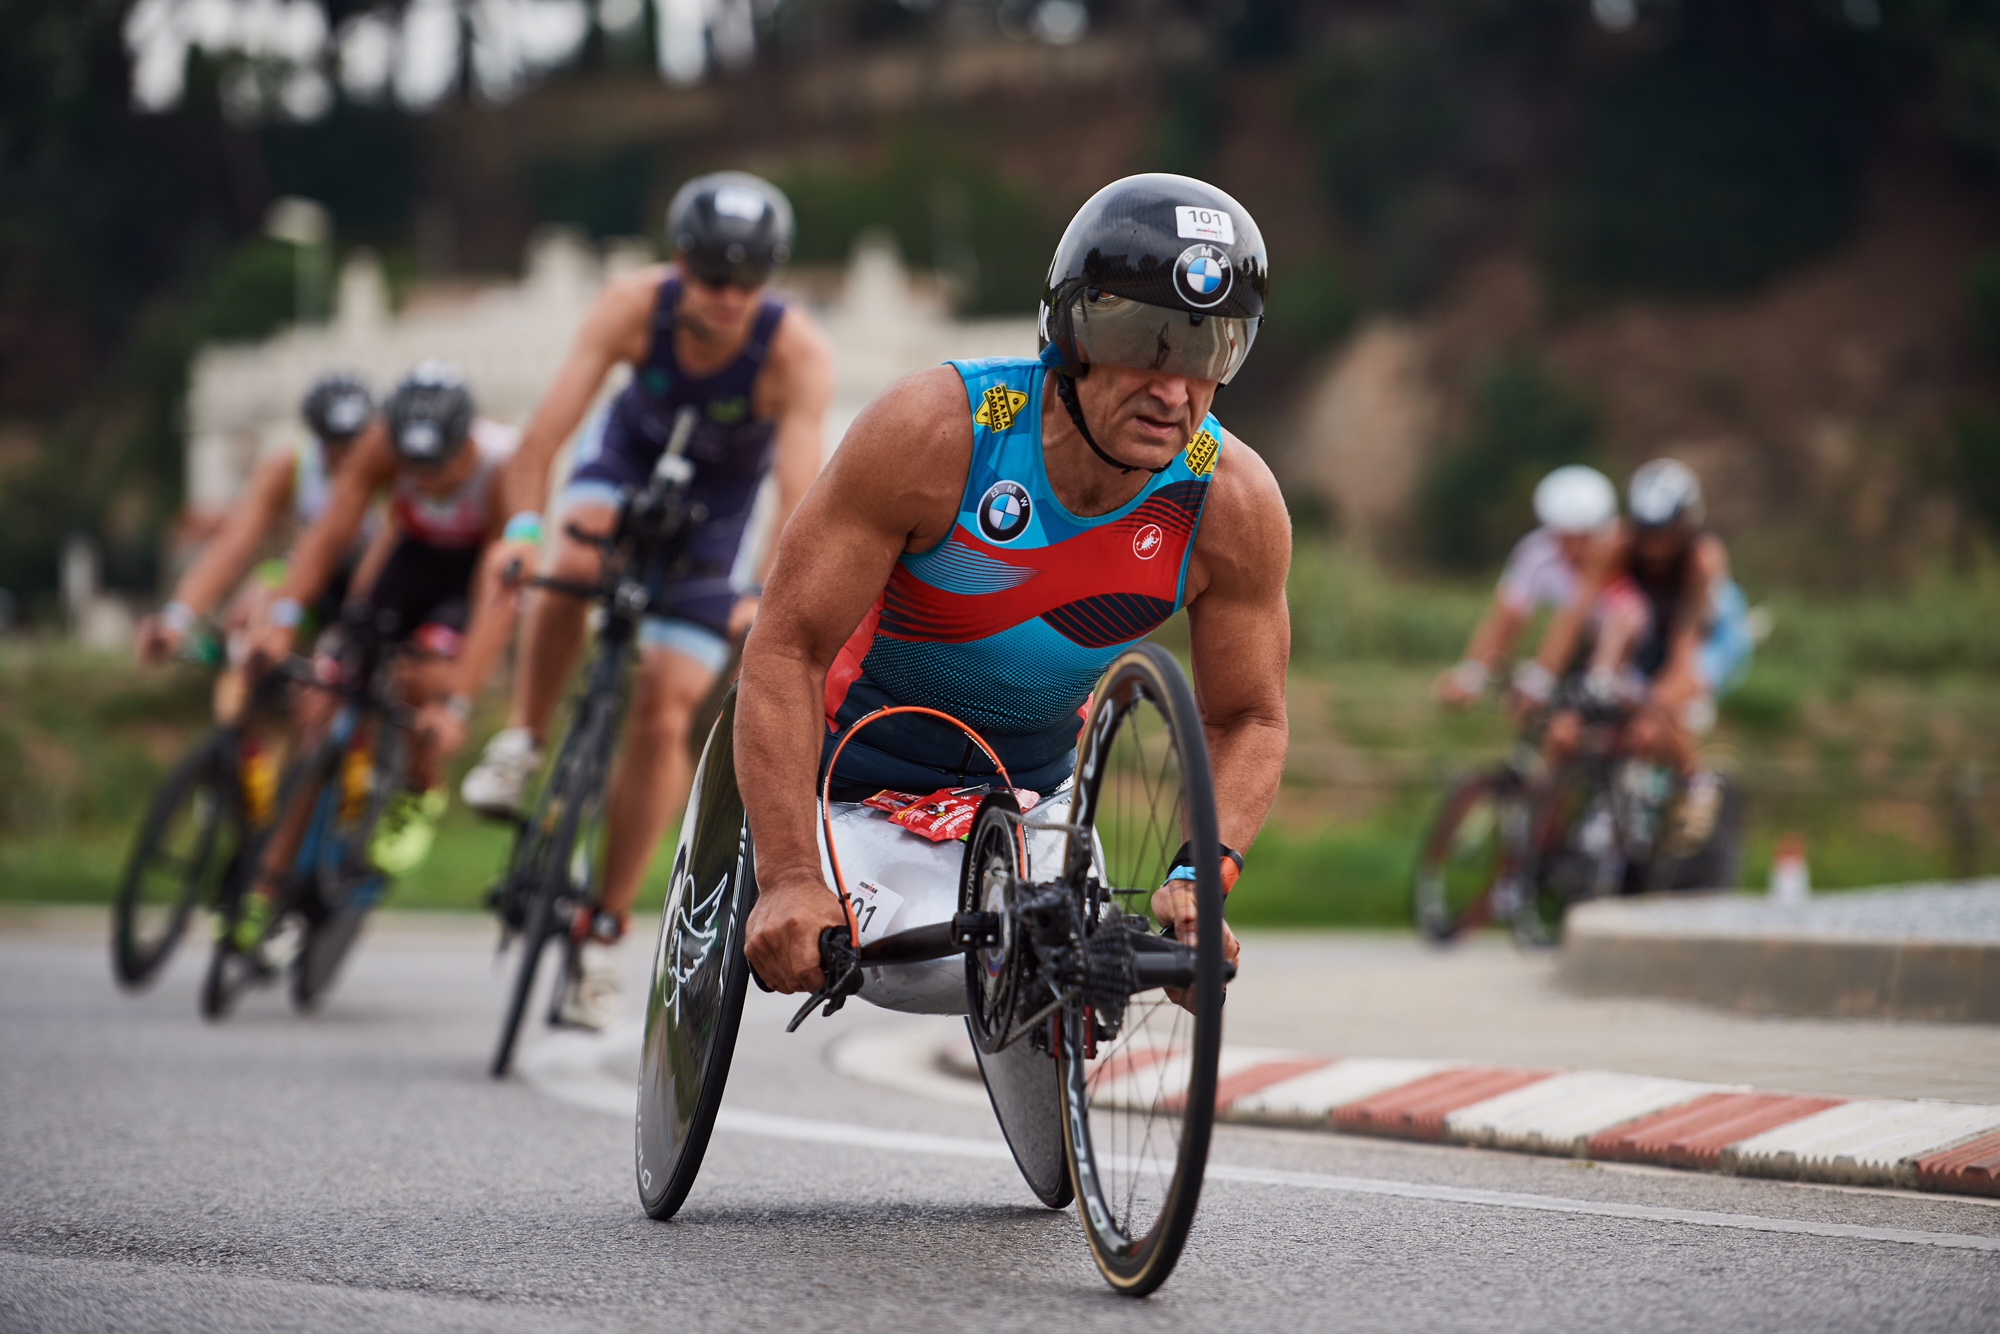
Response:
column 1204, row 276
column 1004, row 511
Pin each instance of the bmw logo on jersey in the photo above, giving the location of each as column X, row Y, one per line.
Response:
column 1004, row 511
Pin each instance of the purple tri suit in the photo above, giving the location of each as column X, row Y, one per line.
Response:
column 730, row 449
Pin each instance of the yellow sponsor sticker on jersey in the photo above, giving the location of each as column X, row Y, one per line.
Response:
column 997, row 411
column 1201, row 452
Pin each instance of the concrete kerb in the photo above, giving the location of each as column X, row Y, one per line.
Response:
column 1917, row 1144
column 1926, row 952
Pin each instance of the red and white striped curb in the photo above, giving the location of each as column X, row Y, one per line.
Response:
column 1945, row 1146
column 1923, row 1144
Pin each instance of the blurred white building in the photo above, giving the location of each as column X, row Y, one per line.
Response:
column 510, row 338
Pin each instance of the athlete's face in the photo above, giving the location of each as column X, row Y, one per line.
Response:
column 1659, row 546
column 441, row 479
column 718, row 312
column 1575, row 547
column 1143, row 418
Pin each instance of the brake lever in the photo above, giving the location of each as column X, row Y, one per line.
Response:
column 841, row 963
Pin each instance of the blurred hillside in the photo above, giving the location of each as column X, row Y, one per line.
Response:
column 1505, row 233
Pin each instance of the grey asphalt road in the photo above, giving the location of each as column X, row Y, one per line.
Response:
column 357, row 1170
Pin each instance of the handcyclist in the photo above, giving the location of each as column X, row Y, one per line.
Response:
column 992, row 534
column 699, row 333
column 1576, row 507
column 291, row 486
column 1673, row 630
column 437, row 463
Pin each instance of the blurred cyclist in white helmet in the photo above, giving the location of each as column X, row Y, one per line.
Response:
column 1672, row 630
column 1577, row 510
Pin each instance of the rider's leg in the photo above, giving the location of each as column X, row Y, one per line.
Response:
column 649, row 789
column 552, row 633
column 553, row 623
column 650, row 786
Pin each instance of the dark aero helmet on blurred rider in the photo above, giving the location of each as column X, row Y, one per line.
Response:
column 1155, row 272
column 730, row 227
column 430, row 413
column 338, row 407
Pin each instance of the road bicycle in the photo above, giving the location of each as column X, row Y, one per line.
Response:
column 1518, row 846
column 1097, row 1038
column 190, row 843
column 551, row 871
column 335, row 790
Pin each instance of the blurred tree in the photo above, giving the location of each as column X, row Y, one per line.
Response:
column 1475, row 501
column 604, row 194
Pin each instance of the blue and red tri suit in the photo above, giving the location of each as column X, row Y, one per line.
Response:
column 1009, row 622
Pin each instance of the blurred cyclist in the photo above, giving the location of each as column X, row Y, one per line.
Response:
column 438, row 465
column 295, row 486
column 1576, row 507
column 1673, row 631
column 700, row 333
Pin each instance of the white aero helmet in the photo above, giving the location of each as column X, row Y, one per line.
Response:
column 1575, row 499
column 1663, row 493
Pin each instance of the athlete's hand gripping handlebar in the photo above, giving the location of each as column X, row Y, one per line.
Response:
column 841, row 963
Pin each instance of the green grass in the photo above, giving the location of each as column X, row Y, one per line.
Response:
column 1866, row 708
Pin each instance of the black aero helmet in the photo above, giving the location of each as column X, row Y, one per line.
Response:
column 338, row 407
column 1158, row 272
column 731, row 227
column 1663, row 494
column 430, row 414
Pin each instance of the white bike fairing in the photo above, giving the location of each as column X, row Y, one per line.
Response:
column 900, row 880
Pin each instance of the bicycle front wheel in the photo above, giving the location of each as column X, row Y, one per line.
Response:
column 541, row 872
column 1138, row 1088
column 191, row 831
column 1471, row 855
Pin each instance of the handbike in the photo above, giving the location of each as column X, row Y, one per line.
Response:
column 550, row 875
column 1098, row 1039
column 336, row 790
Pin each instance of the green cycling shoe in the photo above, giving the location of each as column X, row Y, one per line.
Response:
column 407, row 829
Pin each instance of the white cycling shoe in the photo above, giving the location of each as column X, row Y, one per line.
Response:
column 590, row 996
column 499, row 782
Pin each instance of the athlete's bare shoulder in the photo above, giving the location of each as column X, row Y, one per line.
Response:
column 1246, row 531
column 621, row 321
column 907, row 455
column 800, row 365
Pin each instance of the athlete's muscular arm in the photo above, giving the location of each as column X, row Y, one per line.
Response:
column 617, row 329
column 228, row 556
column 1679, row 681
column 800, row 372
column 1240, row 637
column 1565, row 632
column 892, row 487
column 369, row 468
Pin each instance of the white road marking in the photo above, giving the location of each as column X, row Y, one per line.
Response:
column 771, row 1125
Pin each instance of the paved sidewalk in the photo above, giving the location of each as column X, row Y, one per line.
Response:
column 1354, row 994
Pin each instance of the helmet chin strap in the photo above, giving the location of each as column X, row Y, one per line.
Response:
column 1066, row 391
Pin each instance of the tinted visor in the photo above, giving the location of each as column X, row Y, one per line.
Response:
column 1118, row 331
column 718, row 270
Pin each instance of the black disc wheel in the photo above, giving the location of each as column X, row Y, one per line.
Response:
column 1472, row 859
column 190, row 834
column 1138, row 1078
column 1000, row 972
column 694, row 1003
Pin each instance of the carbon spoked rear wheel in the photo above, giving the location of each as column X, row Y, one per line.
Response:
column 191, row 833
column 347, row 885
column 1471, row 857
column 1139, row 1102
column 694, row 1004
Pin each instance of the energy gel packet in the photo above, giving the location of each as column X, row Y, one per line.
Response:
column 947, row 813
